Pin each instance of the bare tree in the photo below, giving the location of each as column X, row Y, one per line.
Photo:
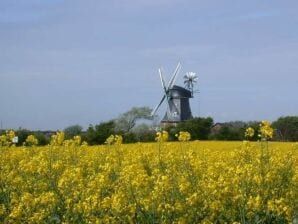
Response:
column 126, row 121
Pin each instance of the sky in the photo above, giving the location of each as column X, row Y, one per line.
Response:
column 85, row 62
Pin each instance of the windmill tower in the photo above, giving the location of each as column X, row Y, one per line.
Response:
column 177, row 98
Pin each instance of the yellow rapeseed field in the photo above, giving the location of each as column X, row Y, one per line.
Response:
column 161, row 182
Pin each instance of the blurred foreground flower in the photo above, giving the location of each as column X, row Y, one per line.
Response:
column 183, row 136
column 77, row 139
column 114, row 140
column 31, row 140
column 7, row 138
column 57, row 139
column 162, row 136
column 266, row 131
column 249, row 132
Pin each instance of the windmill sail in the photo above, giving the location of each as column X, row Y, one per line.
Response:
column 174, row 76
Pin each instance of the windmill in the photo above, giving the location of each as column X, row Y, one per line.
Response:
column 189, row 80
column 177, row 99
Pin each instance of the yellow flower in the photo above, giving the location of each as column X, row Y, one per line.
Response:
column 7, row 138
column 95, row 184
column 114, row 140
column 118, row 139
column 31, row 140
column 77, row 139
column 183, row 136
column 254, row 203
column 249, row 132
column 10, row 134
column 57, row 139
column 266, row 131
column 2, row 209
column 162, row 136
column 110, row 140
column 84, row 143
column 3, row 140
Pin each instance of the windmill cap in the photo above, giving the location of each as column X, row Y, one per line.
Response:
column 179, row 92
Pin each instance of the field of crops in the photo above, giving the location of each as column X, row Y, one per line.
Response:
column 162, row 182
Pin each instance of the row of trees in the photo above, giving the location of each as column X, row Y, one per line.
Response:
column 132, row 126
column 200, row 128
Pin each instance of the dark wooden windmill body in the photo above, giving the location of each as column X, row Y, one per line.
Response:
column 178, row 105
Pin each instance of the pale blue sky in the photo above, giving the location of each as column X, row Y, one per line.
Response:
column 83, row 62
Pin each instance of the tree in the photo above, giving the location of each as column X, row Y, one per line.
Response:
column 286, row 128
column 227, row 133
column 41, row 137
column 72, row 131
column 199, row 128
column 143, row 133
column 99, row 133
column 125, row 122
column 233, row 130
column 22, row 135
